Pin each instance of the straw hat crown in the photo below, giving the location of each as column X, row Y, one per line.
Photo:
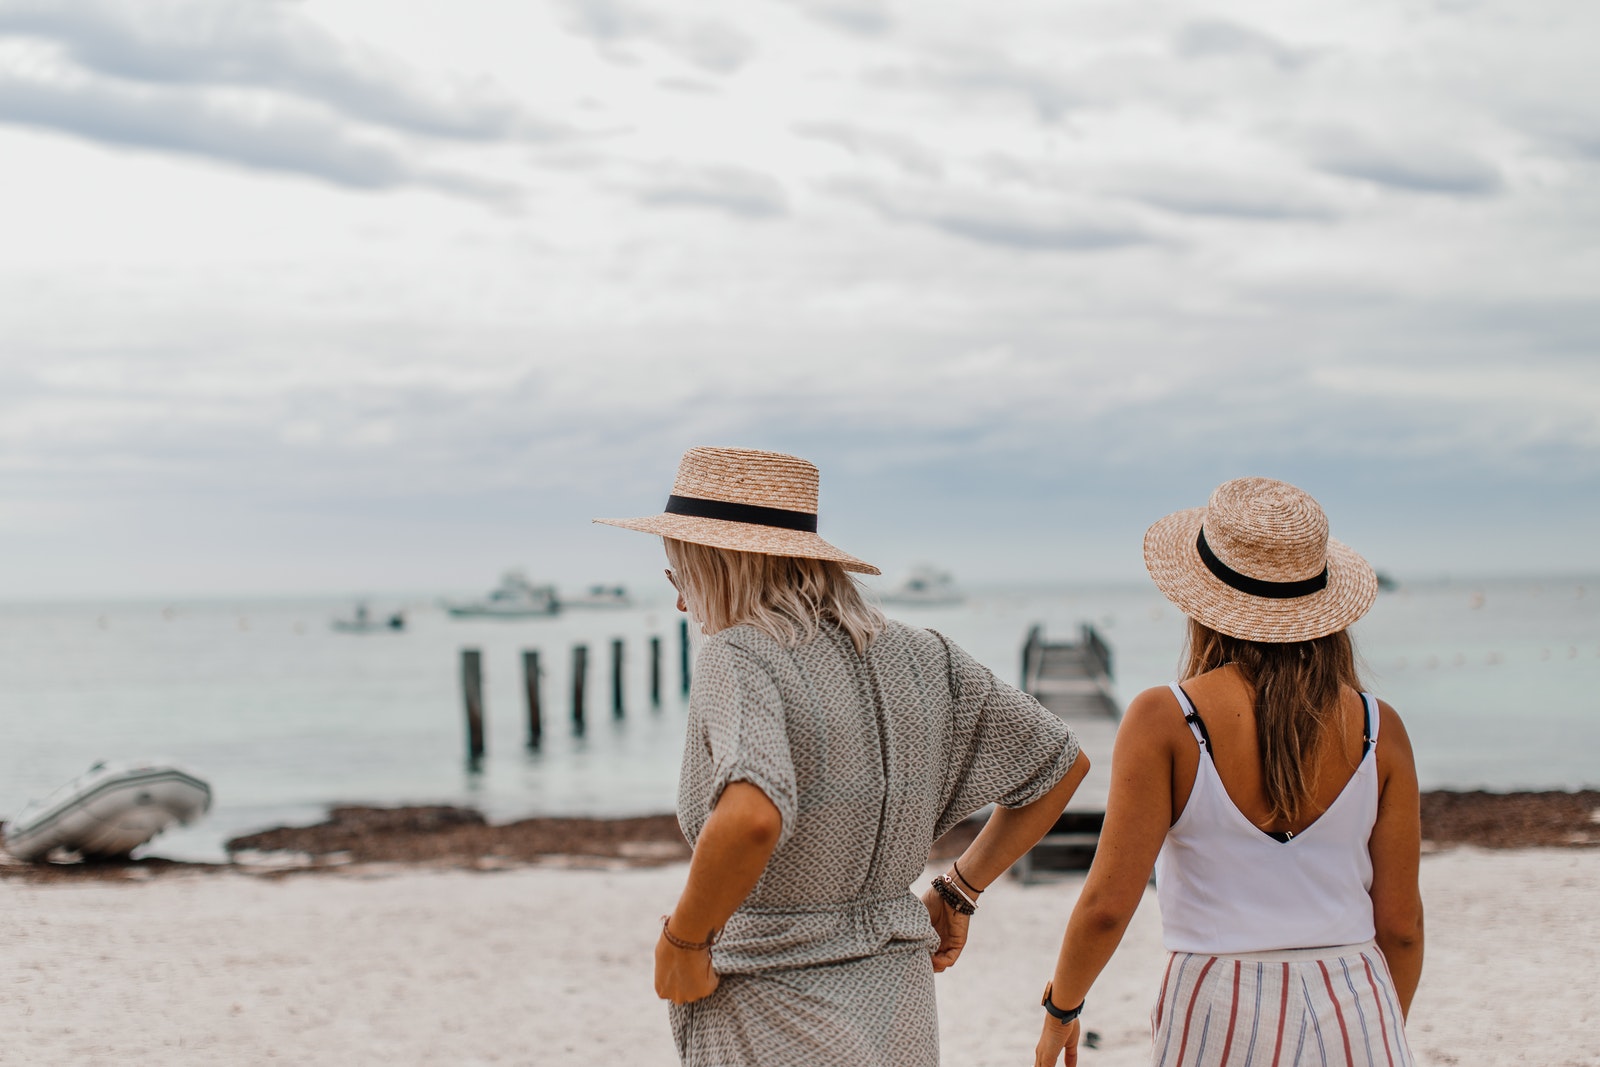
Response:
column 745, row 500
column 1257, row 563
column 747, row 476
column 1267, row 529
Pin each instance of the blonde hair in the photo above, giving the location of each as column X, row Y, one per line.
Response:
column 786, row 597
column 1297, row 686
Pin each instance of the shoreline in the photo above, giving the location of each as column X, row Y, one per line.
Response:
column 359, row 839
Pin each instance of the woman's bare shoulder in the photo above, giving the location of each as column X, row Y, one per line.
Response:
column 1153, row 713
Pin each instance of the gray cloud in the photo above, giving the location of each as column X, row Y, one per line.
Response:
column 731, row 190
column 1037, row 228
column 1414, row 165
column 1185, row 192
column 284, row 137
column 868, row 18
column 711, row 46
column 904, row 152
column 1216, row 38
column 267, row 46
column 1050, row 94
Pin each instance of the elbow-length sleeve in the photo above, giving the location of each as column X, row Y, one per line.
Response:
column 746, row 730
column 1006, row 748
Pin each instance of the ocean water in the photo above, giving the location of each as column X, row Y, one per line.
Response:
column 1497, row 681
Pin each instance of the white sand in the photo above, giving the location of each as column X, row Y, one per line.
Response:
column 552, row 966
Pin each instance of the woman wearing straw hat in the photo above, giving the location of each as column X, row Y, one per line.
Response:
column 1275, row 800
column 827, row 749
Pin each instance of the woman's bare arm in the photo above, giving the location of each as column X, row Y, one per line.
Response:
column 1138, row 815
column 1012, row 831
column 729, row 857
column 1396, row 850
column 1004, row 838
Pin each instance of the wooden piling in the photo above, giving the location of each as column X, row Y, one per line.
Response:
column 472, row 694
column 580, row 672
column 655, row 672
column 616, row 678
column 683, row 654
column 530, row 684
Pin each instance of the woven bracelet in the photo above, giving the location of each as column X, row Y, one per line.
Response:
column 689, row 946
column 952, row 896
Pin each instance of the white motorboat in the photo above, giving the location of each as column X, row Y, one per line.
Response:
column 108, row 811
column 600, row 596
column 514, row 598
column 923, row 586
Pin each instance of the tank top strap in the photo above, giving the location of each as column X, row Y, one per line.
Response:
column 1369, row 731
column 1191, row 716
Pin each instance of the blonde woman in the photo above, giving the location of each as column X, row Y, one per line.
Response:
column 827, row 748
column 1276, row 801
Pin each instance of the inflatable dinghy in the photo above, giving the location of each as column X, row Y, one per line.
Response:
column 108, row 811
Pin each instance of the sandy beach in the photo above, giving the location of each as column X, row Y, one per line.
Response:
column 549, row 964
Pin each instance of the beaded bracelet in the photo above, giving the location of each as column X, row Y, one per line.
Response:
column 953, row 896
column 691, row 946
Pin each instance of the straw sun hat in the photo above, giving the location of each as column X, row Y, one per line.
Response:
column 748, row 501
column 1257, row 563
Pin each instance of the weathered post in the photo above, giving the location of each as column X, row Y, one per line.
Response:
column 616, row 678
column 580, row 671
column 530, row 683
column 683, row 653
column 472, row 694
column 655, row 672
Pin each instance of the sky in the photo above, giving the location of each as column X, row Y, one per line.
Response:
column 348, row 295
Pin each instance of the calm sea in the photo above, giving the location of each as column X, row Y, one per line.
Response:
column 1497, row 682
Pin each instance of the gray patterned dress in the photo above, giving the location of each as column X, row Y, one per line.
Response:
column 869, row 759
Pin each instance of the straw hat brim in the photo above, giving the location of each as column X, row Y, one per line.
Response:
column 743, row 537
column 1171, row 555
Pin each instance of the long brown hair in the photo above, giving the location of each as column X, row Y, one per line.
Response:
column 787, row 597
column 1297, row 687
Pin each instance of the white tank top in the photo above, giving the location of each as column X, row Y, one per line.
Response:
column 1226, row 886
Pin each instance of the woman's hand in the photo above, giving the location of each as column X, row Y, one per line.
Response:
column 683, row 976
column 950, row 925
column 1055, row 1040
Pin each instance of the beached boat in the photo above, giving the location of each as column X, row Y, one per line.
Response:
column 600, row 596
column 514, row 598
column 108, row 811
column 923, row 586
column 363, row 621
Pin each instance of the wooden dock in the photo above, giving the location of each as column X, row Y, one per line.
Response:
column 1073, row 680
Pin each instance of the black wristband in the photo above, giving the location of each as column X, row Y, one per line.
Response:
column 1060, row 1015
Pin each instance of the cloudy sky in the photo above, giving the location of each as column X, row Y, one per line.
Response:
column 304, row 295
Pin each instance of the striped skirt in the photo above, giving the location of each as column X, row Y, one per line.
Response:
column 1321, row 1007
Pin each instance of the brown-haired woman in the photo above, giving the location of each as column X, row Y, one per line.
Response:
column 827, row 749
column 1275, row 800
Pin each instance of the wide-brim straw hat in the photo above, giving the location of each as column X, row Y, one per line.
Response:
column 1257, row 563
column 747, row 501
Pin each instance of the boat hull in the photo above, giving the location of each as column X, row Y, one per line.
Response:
column 108, row 812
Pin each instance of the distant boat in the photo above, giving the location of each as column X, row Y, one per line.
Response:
column 1386, row 584
column 108, row 811
column 925, row 586
column 600, row 596
column 363, row 622
column 514, row 598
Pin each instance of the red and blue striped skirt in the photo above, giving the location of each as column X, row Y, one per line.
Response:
column 1322, row 1007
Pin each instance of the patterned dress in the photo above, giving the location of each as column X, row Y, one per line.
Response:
column 869, row 759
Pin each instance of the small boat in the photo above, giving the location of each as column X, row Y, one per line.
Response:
column 600, row 596
column 923, row 586
column 363, row 622
column 514, row 598
column 108, row 811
